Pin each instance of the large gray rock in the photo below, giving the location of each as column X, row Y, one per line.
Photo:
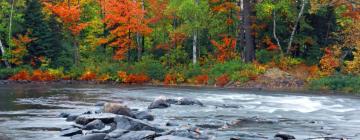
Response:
column 96, row 136
column 170, row 137
column 116, row 133
column 160, row 102
column 138, row 135
column 95, row 124
column 127, row 123
column 117, row 108
column 104, row 117
column 70, row 132
column 284, row 136
column 189, row 101
column 144, row 115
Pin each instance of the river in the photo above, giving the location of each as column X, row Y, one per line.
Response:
column 30, row 111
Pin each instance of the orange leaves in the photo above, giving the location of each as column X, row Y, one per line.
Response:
column 22, row 75
column 226, row 50
column 69, row 15
column 124, row 19
column 170, row 79
column 133, row 78
column 329, row 62
column 88, row 76
column 37, row 75
column 222, row 80
column 202, row 79
column 19, row 50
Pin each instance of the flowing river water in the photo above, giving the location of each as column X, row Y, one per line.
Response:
column 30, row 112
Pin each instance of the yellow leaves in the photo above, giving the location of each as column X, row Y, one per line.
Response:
column 19, row 49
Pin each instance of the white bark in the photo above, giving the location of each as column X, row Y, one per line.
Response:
column 11, row 17
column 194, row 48
column 274, row 32
column 295, row 26
column 3, row 53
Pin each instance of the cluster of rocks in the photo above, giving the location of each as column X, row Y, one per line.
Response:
column 116, row 121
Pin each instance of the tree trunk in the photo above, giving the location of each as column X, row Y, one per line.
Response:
column 274, row 33
column 139, row 45
column 249, row 39
column 240, row 39
column 288, row 51
column 10, row 19
column 76, row 53
column 3, row 54
column 194, row 47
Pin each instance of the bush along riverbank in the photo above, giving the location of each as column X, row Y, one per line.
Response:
column 287, row 75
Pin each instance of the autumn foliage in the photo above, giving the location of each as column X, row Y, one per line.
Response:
column 222, row 80
column 202, row 79
column 133, row 78
column 22, row 75
column 226, row 49
column 170, row 79
column 329, row 62
column 37, row 75
column 89, row 75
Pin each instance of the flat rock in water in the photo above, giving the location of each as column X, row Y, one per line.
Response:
column 144, row 115
column 116, row 133
column 127, row 123
column 117, row 108
column 138, row 135
column 71, row 132
column 104, row 117
column 160, row 102
column 186, row 133
column 284, row 136
column 189, row 101
column 95, row 124
column 71, row 117
column 170, row 137
column 97, row 136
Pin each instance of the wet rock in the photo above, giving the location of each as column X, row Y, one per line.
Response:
column 116, row 133
column 77, row 126
column 104, row 117
column 88, row 112
column 144, row 115
column 138, row 135
column 117, row 108
column 160, row 102
column 70, row 132
column 235, row 138
column 127, row 123
column 171, row 124
column 97, row 136
column 227, row 106
column 189, row 101
column 64, row 115
column 71, row 117
column 170, row 137
column 100, row 103
column 284, row 136
column 106, row 129
column 4, row 137
column 188, row 133
column 210, row 126
column 95, row 124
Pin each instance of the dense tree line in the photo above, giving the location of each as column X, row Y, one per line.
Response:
column 85, row 33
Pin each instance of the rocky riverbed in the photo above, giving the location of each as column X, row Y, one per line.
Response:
column 97, row 112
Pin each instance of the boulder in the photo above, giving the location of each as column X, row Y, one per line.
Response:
column 116, row 133
column 70, row 132
column 96, row 136
column 144, row 115
column 4, row 137
column 138, row 135
column 284, row 136
column 160, row 102
column 106, row 129
column 189, row 101
column 170, row 137
column 71, row 117
column 64, row 115
column 95, row 124
column 104, row 117
column 127, row 123
column 188, row 133
column 117, row 108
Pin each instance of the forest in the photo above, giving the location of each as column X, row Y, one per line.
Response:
column 312, row 44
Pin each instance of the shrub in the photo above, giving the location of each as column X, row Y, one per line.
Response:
column 88, row 75
column 229, row 68
column 39, row 75
column 22, row 75
column 6, row 73
column 264, row 56
column 192, row 71
column 202, row 79
column 338, row 83
column 136, row 79
column 222, row 80
column 286, row 63
column 151, row 67
column 170, row 79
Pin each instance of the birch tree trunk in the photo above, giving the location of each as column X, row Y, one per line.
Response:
column 3, row 54
column 11, row 19
column 274, row 33
column 288, row 51
column 194, row 48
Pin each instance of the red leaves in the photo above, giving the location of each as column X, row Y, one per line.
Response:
column 222, row 80
column 133, row 78
column 170, row 79
column 22, row 75
column 87, row 76
column 69, row 15
column 202, row 79
column 226, row 50
column 37, row 75
column 124, row 19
